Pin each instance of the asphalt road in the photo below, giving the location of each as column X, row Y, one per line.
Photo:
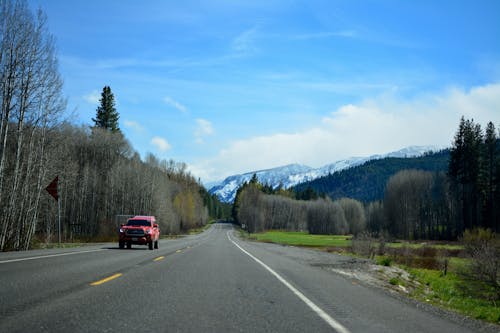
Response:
column 212, row 282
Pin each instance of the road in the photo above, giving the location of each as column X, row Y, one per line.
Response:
column 211, row 282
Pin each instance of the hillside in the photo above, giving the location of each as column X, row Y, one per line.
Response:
column 294, row 174
column 366, row 182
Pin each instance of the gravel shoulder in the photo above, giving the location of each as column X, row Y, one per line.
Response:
column 365, row 272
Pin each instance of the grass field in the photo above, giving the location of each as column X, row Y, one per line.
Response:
column 302, row 239
column 298, row 238
column 450, row 291
column 416, row 245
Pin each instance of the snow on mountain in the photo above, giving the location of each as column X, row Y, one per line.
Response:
column 293, row 174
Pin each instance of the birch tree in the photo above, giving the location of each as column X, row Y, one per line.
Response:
column 31, row 101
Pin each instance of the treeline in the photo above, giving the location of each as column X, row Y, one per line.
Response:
column 416, row 204
column 101, row 178
column 258, row 211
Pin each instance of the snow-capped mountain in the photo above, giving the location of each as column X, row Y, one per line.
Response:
column 293, row 174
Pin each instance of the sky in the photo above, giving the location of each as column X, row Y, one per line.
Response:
column 236, row 86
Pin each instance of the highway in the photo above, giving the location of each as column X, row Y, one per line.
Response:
column 211, row 282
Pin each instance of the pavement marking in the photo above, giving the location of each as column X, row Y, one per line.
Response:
column 49, row 256
column 325, row 316
column 178, row 251
column 109, row 278
column 159, row 258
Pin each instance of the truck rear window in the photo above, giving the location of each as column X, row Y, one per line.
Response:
column 145, row 223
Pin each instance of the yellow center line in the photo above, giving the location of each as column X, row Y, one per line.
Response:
column 159, row 258
column 178, row 251
column 112, row 277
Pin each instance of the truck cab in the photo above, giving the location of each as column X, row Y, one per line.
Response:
column 140, row 230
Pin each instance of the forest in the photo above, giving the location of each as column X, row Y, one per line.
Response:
column 416, row 203
column 101, row 179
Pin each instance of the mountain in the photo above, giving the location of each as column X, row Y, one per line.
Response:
column 285, row 175
column 367, row 182
column 290, row 175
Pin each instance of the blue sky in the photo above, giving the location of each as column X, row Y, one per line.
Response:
column 236, row 86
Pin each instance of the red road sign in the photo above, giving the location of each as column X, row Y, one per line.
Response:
column 52, row 188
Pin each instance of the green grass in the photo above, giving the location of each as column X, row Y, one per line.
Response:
column 297, row 238
column 448, row 291
column 395, row 281
column 302, row 239
column 420, row 245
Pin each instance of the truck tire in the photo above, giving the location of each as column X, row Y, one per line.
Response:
column 156, row 244
column 129, row 245
column 121, row 245
column 150, row 244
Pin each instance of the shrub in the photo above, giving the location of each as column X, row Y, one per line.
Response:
column 364, row 244
column 483, row 247
column 424, row 257
column 385, row 261
column 394, row 281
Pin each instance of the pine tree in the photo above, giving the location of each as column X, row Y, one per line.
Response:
column 488, row 175
column 464, row 166
column 106, row 114
column 254, row 179
column 496, row 198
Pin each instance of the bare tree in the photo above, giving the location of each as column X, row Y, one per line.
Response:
column 326, row 217
column 354, row 214
column 406, row 197
column 375, row 217
column 31, row 101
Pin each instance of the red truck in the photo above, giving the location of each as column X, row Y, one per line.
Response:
column 142, row 230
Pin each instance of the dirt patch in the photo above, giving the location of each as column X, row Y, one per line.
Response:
column 366, row 272
column 391, row 278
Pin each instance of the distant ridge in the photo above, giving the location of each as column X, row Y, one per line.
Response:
column 293, row 174
column 367, row 182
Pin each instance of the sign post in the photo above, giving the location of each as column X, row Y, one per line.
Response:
column 59, row 220
column 52, row 189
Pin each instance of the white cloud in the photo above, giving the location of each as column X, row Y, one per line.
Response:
column 93, row 97
column 244, row 43
column 172, row 102
column 375, row 126
column 160, row 143
column 133, row 125
column 204, row 128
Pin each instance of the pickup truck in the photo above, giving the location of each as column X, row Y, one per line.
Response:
column 142, row 230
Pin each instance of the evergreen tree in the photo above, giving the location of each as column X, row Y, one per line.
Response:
column 488, row 175
column 496, row 198
column 236, row 204
column 307, row 194
column 463, row 169
column 254, row 179
column 106, row 114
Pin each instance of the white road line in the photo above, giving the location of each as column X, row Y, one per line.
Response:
column 325, row 316
column 48, row 256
